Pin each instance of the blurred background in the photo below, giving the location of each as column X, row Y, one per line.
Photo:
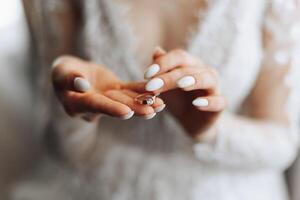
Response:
column 16, row 143
column 18, row 149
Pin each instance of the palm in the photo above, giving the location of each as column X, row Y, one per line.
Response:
column 103, row 80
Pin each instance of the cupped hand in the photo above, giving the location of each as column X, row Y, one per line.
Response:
column 89, row 90
column 191, row 88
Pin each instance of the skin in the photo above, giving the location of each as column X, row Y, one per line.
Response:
column 113, row 97
column 108, row 95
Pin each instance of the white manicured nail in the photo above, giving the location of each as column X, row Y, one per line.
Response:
column 154, row 84
column 56, row 62
column 160, row 108
column 127, row 116
column 186, row 81
column 150, row 116
column 158, row 49
column 81, row 84
column 200, row 102
column 151, row 71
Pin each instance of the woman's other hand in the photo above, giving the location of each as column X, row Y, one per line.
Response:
column 197, row 88
column 89, row 90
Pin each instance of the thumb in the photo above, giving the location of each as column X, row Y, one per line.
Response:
column 66, row 75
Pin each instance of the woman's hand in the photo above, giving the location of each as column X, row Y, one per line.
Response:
column 90, row 89
column 198, row 84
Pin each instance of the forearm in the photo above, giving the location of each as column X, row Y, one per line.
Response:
column 268, row 136
column 73, row 139
column 248, row 143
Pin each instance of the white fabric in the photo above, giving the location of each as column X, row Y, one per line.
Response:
column 154, row 159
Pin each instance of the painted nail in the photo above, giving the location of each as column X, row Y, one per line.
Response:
column 186, row 81
column 150, row 116
column 127, row 116
column 160, row 108
column 81, row 84
column 159, row 51
column 56, row 62
column 151, row 71
column 200, row 102
column 154, row 84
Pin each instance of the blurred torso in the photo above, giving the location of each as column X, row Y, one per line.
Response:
column 165, row 23
column 169, row 24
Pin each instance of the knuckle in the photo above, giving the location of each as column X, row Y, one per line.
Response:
column 180, row 53
column 214, row 72
column 207, row 81
column 109, row 93
column 220, row 103
column 185, row 58
column 190, row 71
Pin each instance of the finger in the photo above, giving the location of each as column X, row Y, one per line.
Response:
column 158, row 51
column 186, row 78
column 76, row 103
column 69, row 73
column 81, row 84
column 140, row 110
column 204, row 79
column 169, row 61
column 138, row 87
column 154, row 68
column 158, row 105
column 211, row 103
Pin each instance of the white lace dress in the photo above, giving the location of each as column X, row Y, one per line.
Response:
column 155, row 159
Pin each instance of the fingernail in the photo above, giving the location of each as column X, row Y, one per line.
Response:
column 160, row 108
column 200, row 102
column 150, row 116
column 81, row 84
column 151, row 71
column 127, row 116
column 159, row 49
column 186, row 81
column 154, row 84
column 56, row 62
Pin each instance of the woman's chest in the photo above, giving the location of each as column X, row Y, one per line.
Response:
column 166, row 23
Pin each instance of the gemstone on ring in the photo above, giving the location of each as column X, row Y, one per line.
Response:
column 145, row 99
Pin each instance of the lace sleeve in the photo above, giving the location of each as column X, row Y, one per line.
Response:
column 53, row 25
column 267, row 136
